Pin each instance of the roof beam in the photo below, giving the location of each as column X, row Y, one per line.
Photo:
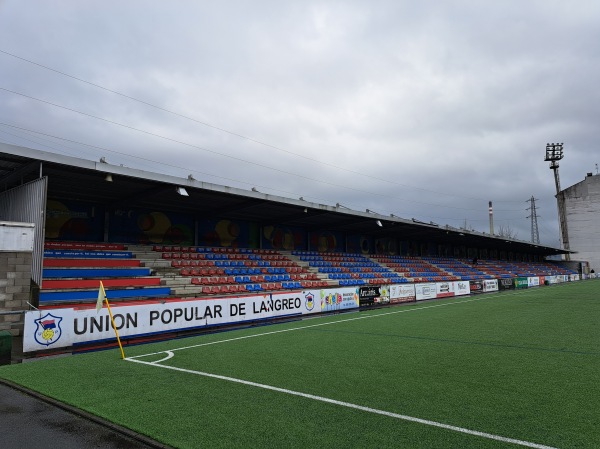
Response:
column 19, row 173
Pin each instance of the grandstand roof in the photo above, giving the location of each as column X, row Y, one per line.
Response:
column 83, row 180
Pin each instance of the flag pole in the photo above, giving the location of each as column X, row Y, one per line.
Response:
column 112, row 319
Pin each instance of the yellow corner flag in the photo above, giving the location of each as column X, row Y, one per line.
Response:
column 101, row 297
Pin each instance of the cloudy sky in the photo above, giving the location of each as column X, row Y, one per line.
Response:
column 424, row 109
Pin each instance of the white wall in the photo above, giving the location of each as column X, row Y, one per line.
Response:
column 582, row 203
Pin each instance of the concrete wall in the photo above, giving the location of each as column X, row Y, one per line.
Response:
column 16, row 262
column 15, row 292
column 582, row 204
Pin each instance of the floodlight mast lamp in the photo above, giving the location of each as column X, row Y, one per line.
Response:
column 554, row 153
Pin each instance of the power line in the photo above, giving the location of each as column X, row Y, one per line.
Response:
column 170, row 165
column 161, row 163
column 222, row 154
column 137, row 157
column 234, row 133
column 183, row 168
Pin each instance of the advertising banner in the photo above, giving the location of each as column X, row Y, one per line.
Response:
column 476, row 287
column 542, row 280
column 490, row 285
column 573, row 277
column 402, row 293
column 521, row 283
column 58, row 328
column 368, row 294
column 533, row 281
column 384, row 295
column 444, row 289
column 425, row 291
column 461, row 288
column 551, row 280
column 506, row 284
column 336, row 299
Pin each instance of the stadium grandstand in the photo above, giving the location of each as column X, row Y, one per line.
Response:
column 179, row 255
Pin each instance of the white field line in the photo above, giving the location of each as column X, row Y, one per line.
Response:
column 308, row 327
column 348, row 405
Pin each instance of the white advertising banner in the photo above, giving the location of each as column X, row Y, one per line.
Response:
column 491, row 285
column 444, row 289
column 402, row 293
column 533, row 281
column 573, row 277
column 56, row 328
column 461, row 288
column 425, row 291
column 551, row 280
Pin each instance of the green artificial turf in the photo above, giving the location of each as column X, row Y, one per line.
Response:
column 522, row 364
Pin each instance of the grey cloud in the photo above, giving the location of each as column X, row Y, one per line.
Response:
column 453, row 102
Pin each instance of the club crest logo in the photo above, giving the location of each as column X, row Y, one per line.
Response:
column 48, row 329
column 309, row 301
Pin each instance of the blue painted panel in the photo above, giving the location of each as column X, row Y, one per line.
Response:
column 57, row 273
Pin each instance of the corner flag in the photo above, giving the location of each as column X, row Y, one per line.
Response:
column 101, row 297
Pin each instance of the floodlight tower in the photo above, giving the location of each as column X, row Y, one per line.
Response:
column 554, row 153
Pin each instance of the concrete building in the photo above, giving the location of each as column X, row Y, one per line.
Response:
column 582, row 205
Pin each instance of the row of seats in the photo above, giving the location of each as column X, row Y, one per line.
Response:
column 258, row 287
column 218, row 256
column 376, row 269
column 210, row 280
column 377, row 281
column 363, row 275
column 341, row 259
column 325, row 264
column 244, row 269
column 210, row 249
column 214, row 271
column 232, row 263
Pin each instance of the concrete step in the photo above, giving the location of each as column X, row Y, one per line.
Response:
column 147, row 255
column 176, row 281
column 186, row 290
column 156, row 263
